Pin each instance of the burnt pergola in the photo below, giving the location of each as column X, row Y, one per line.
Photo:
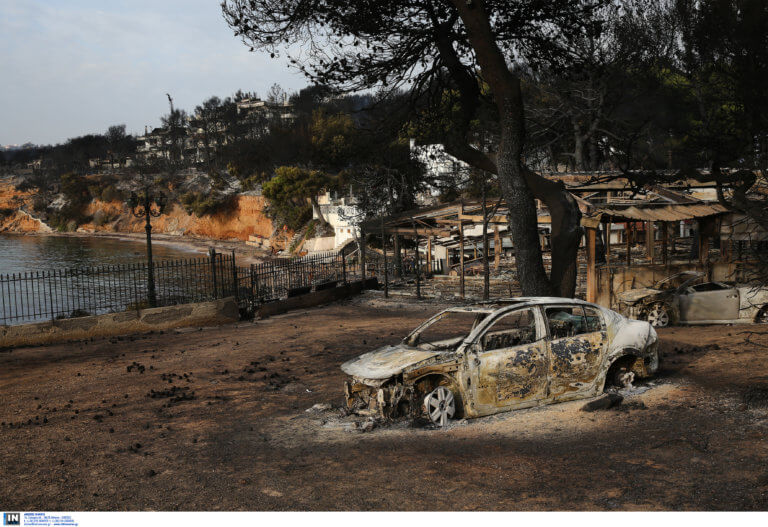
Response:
column 454, row 225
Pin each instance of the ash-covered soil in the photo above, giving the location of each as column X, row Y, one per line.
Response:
column 216, row 419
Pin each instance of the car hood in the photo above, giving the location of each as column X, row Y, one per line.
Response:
column 633, row 295
column 385, row 362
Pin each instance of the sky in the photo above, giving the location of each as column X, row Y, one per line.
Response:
column 73, row 67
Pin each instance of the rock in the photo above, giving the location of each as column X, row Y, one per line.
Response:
column 368, row 426
column 605, row 402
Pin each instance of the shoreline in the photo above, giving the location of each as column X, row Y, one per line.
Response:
column 245, row 254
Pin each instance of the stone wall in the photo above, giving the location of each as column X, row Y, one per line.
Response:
column 223, row 311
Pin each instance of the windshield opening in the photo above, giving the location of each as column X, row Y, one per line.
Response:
column 446, row 332
column 673, row 282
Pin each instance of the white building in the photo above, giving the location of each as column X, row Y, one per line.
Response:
column 342, row 214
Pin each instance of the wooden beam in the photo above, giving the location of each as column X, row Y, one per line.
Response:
column 362, row 253
column 419, row 231
column 591, row 268
column 479, row 218
column 461, row 260
column 627, row 236
column 703, row 246
column 497, row 248
column 649, row 240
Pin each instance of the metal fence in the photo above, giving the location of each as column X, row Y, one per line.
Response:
column 68, row 293
column 286, row 278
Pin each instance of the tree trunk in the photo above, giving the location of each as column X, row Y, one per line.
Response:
column 518, row 184
column 578, row 149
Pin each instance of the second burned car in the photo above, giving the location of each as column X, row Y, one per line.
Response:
column 479, row 360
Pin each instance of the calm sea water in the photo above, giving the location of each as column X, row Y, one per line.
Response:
column 36, row 298
column 37, row 253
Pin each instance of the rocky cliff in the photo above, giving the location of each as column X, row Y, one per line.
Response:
column 244, row 218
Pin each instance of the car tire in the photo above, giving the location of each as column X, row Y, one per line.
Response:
column 762, row 316
column 659, row 315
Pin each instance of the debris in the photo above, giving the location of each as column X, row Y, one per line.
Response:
column 368, row 426
column 756, row 396
column 320, row 407
column 273, row 493
column 605, row 402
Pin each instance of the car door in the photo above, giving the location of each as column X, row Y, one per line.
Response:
column 577, row 341
column 708, row 301
column 510, row 361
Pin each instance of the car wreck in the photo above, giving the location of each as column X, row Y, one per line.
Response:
column 687, row 298
column 493, row 357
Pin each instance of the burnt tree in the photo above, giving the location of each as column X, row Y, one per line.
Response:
column 463, row 52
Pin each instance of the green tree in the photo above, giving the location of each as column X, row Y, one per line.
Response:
column 293, row 192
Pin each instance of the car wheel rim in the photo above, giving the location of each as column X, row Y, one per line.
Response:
column 658, row 317
column 440, row 405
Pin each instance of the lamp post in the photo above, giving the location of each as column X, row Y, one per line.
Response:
column 148, row 205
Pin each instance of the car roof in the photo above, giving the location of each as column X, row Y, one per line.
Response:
column 492, row 306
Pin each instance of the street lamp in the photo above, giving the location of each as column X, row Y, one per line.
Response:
column 148, row 204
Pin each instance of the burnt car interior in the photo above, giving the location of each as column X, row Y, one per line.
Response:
column 679, row 280
column 514, row 329
column 569, row 321
column 565, row 321
column 707, row 286
column 446, row 332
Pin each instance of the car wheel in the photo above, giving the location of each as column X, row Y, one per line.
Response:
column 620, row 375
column 440, row 405
column 762, row 315
column 658, row 316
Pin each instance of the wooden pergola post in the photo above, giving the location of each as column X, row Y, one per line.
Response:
column 384, row 251
column 627, row 236
column 417, row 261
column 461, row 254
column 429, row 253
column 362, row 255
column 496, row 248
column 649, row 240
column 591, row 234
column 607, row 226
column 703, row 246
column 665, row 242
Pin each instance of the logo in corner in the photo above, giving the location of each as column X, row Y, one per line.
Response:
column 11, row 518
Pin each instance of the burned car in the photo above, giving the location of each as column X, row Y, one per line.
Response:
column 687, row 298
column 493, row 357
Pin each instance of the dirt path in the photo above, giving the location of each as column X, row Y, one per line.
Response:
column 216, row 419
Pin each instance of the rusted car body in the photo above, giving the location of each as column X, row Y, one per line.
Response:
column 686, row 298
column 501, row 356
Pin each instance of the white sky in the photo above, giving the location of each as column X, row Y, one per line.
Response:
column 72, row 67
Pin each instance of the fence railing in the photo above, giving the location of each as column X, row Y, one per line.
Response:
column 68, row 293
column 285, row 278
